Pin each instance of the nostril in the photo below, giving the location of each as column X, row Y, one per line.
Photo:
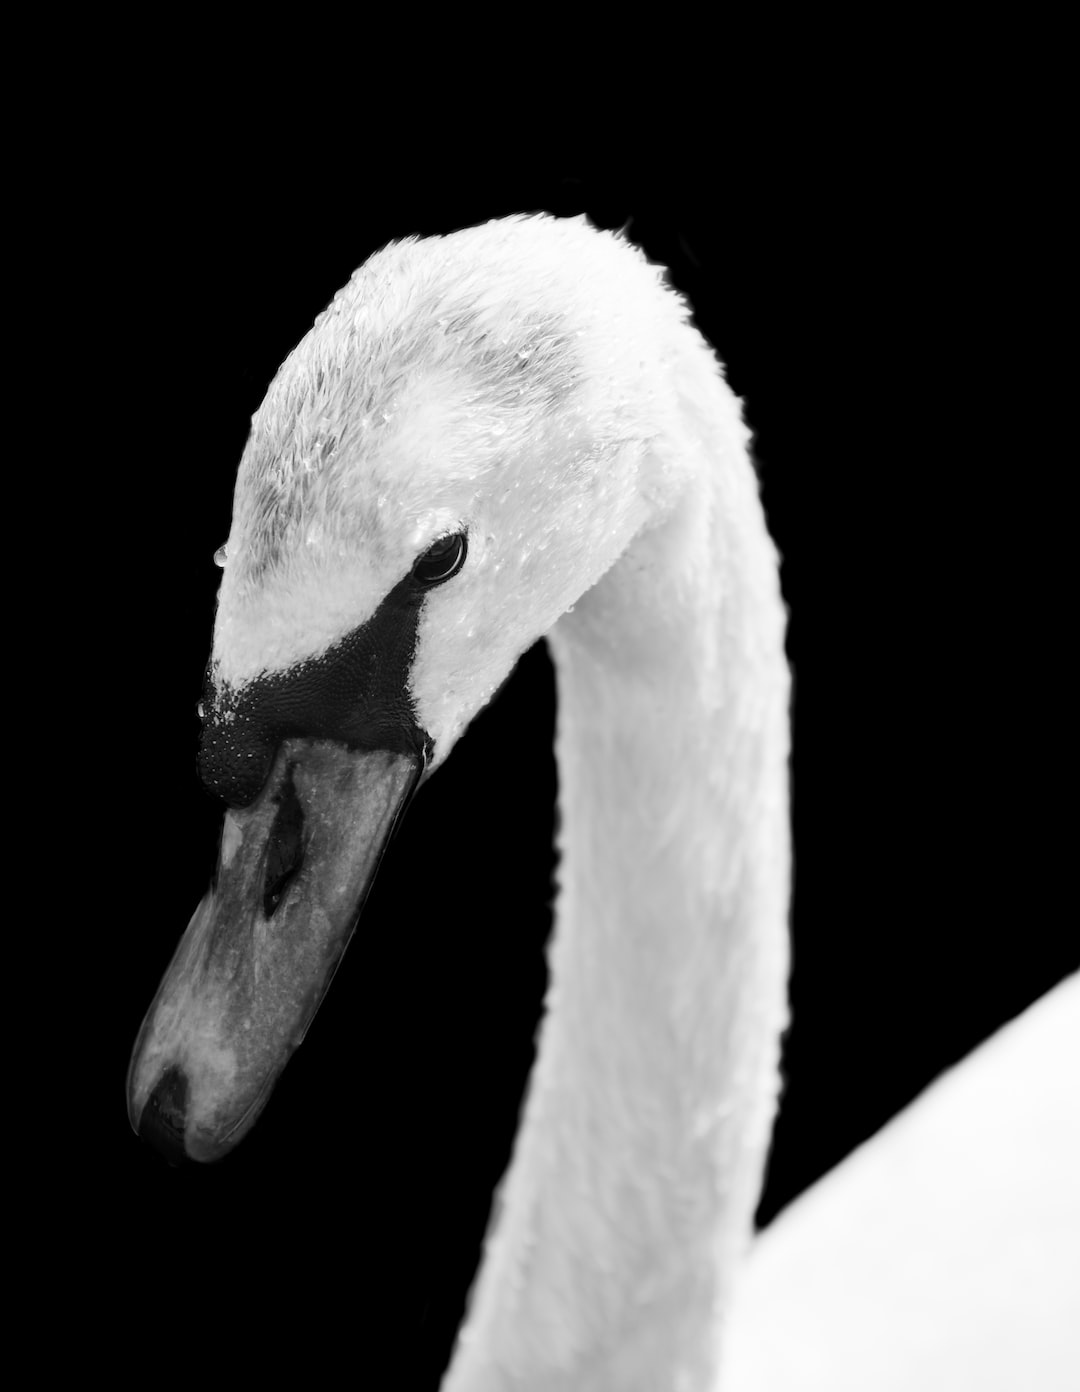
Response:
column 285, row 846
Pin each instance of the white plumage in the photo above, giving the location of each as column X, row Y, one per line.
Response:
column 535, row 382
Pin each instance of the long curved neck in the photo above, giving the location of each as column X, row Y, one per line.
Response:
column 637, row 1167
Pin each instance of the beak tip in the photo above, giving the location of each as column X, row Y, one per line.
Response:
column 164, row 1115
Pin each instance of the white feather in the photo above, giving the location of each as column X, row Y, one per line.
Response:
column 535, row 381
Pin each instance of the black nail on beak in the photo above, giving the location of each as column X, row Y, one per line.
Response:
column 163, row 1117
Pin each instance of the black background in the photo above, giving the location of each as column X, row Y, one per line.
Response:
column 840, row 282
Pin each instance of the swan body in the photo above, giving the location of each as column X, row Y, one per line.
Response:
column 534, row 385
column 944, row 1253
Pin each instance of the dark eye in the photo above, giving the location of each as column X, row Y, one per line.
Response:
column 442, row 559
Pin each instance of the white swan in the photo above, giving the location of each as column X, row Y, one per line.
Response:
column 512, row 431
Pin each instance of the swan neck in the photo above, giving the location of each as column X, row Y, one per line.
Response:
column 630, row 1199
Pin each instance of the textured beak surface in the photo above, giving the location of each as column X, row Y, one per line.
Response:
column 254, row 964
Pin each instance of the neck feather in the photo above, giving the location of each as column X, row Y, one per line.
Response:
column 629, row 1202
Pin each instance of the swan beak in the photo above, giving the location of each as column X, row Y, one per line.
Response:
column 259, row 953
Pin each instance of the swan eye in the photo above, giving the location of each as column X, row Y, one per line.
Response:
column 442, row 559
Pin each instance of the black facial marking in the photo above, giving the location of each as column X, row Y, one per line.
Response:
column 356, row 693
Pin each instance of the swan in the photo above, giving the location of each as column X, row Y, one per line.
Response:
column 508, row 432
column 487, row 437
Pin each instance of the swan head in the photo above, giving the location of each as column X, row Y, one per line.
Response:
column 468, row 438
